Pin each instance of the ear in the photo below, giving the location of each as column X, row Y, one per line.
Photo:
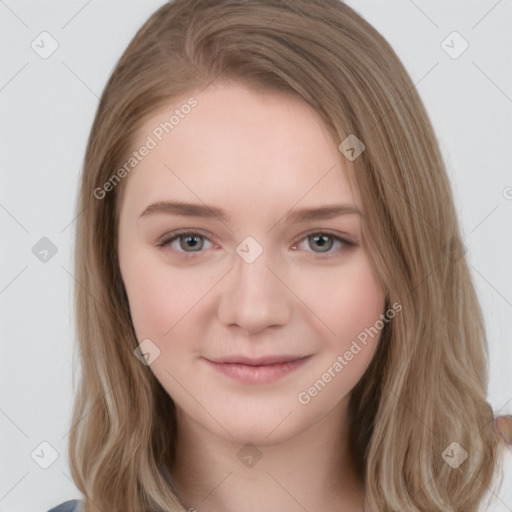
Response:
column 503, row 425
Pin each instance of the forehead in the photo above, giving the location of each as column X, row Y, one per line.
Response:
column 232, row 145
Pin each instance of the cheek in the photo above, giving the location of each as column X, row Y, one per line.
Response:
column 162, row 298
column 349, row 301
column 155, row 299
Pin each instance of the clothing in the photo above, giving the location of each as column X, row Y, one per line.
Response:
column 76, row 505
column 68, row 506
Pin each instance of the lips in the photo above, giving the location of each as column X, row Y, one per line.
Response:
column 260, row 361
column 262, row 370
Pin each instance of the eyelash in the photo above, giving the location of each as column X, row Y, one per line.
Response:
column 167, row 239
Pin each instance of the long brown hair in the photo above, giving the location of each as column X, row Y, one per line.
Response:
column 425, row 388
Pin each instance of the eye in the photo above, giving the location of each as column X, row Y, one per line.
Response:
column 319, row 242
column 185, row 241
column 322, row 242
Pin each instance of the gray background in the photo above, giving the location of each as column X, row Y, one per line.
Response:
column 47, row 107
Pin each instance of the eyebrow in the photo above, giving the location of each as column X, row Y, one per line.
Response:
column 205, row 211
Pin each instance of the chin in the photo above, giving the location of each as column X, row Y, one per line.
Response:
column 264, row 433
column 261, row 425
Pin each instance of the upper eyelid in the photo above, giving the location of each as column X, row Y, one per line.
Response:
column 173, row 235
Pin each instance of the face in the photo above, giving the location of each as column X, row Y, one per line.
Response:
column 241, row 251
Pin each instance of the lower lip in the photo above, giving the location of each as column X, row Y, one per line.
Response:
column 264, row 374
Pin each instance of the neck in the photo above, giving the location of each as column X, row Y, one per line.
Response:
column 313, row 470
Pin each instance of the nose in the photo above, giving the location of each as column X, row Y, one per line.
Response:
column 253, row 298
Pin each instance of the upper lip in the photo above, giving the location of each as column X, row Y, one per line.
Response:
column 260, row 361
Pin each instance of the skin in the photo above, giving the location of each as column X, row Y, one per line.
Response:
column 261, row 157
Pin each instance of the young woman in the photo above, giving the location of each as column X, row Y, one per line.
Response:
column 274, row 311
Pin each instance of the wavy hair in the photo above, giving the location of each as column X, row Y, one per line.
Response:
column 426, row 385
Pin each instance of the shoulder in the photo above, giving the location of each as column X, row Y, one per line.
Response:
column 68, row 506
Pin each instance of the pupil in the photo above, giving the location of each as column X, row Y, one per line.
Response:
column 190, row 242
column 323, row 242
